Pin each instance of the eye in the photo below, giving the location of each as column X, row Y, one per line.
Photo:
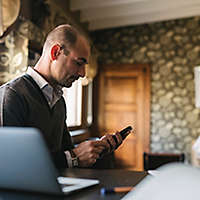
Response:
column 78, row 63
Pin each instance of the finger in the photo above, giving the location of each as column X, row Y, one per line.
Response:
column 101, row 143
column 98, row 150
column 119, row 138
column 115, row 138
column 111, row 142
column 89, row 162
column 110, row 145
column 94, row 156
column 94, row 160
column 117, row 141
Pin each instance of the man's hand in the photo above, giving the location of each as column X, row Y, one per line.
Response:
column 113, row 141
column 88, row 152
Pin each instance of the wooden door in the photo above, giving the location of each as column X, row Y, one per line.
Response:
column 125, row 100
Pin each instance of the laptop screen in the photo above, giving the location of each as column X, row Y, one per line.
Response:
column 25, row 163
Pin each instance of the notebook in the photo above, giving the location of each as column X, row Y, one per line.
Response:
column 26, row 165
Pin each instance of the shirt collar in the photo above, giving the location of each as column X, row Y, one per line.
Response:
column 37, row 77
column 52, row 94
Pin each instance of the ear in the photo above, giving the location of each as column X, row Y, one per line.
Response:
column 55, row 51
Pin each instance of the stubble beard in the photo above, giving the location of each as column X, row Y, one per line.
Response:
column 68, row 83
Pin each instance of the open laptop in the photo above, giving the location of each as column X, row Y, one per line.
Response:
column 26, row 165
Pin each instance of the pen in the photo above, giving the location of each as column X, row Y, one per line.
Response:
column 115, row 190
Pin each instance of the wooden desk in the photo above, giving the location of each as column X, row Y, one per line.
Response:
column 108, row 178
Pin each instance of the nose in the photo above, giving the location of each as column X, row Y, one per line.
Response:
column 82, row 71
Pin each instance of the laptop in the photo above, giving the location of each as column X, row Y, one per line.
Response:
column 26, row 164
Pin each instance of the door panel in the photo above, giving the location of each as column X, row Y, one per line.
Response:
column 128, row 146
column 122, row 86
column 125, row 100
column 117, row 120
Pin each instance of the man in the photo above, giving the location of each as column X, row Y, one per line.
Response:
column 35, row 99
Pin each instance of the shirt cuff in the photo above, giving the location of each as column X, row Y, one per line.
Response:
column 69, row 159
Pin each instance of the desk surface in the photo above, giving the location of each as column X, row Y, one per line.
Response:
column 108, row 178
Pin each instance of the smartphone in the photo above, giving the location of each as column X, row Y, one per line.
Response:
column 124, row 131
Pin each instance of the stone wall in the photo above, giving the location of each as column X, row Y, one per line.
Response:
column 172, row 49
column 13, row 56
column 28, row 35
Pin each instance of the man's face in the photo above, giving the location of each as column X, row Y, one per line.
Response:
column 68, row 68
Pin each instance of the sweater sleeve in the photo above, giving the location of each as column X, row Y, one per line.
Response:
column 67, row 143
column 13, row 108
column 60, row 158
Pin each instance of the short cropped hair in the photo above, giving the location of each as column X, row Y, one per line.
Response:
column 64, row 34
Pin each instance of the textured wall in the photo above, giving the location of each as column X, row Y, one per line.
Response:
column 28, row 37
column 172, row 48
column 13, row 56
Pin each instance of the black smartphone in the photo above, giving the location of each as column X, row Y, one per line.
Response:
column 124, row 131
